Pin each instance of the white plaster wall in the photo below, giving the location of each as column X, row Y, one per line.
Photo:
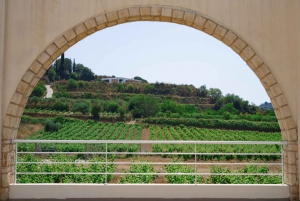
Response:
column 63, row 191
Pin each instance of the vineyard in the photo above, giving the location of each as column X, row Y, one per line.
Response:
column 150, row 168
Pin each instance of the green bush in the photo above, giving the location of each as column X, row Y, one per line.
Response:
column 39, row 90
column 84, row 108
column 51, row 126
column 59, row 105
column 96, row 109
column 72, row 84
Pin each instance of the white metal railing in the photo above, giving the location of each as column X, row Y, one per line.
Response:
column 195, row 163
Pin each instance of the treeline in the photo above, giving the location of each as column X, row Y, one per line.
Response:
column 64, row 69
column 202, row 95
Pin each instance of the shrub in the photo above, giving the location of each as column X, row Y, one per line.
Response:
column 51, row 126
column 39, row 90
column 59, row 105
column 96, row 109
column 72, row 84
column 84, row 108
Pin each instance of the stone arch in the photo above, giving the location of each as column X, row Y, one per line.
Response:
column 149, row 13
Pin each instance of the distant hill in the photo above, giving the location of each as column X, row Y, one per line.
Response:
column 266, row 106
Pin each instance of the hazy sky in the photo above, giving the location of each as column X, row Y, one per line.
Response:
column 170, row 53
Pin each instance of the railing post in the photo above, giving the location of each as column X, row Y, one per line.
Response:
column 16, row 162
column 282, row 165
column 195, row 164
column 105, row 163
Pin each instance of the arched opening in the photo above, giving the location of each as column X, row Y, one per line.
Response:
column 150, row 13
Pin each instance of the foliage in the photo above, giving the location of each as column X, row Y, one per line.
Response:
column 39, row 90
column 59, row 105
column 96, row 109
column 84, row 108
column 51, row 126
column 143, row 106
column 72, row 84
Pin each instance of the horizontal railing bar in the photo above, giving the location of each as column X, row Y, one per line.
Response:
column 149, row 142
column 150, row 173
column 154, row 153
column 146, row 163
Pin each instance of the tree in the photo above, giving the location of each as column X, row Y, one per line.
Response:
column 214, row 94
column 96, row 109
column 141, row 79
column 39, row 90
column 228, row 108
column 143, row 106
column 73, row 68
column 203, row 91
column 148, row 88
column 84, row 108
column 87, row 74
column 51, row 74
column 72, row 84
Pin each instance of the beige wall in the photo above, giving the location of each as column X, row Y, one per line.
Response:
column 270, row 27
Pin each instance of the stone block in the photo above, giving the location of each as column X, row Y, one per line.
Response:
column 229, row 38
column 189, row 18
column 91, row 23
column 281, row 124
column 3, row 193
column 247, row 53
column 35, row 67
column 178, row 21
column 113, row 16
column 121, row 21
column 292, row 135
column 292, row 169
column 124, row 13
column 51, row 49
column 34, row 81
column 270, row 94
column 285, row 111
column 274, row 104
column 219, row 32
column 5, row 148
column 80, row 29
column 284, row 136
column 9, row 121
column 264, row 70
column 5, row 170
column 6, row 133
column 43, row 57
column 275, row 89
column 178, row 14
column 12, row 109
column 13, row 135
column 289, row 123
column 61, row 41
column 17, row 97
column 5, row 180
column 209, row 27
column 258, row 73
column 23, row 101
column 28, row 76
column 55, row 55
column 156, row 11
column 238, row 45
column 134, row 12
column 291, row 158
column 89, row 32
column 270, row 79
column 64, row 48
column 292, row 178
column 278, row 114
column 145, row 11
column 255, row 62
column 29, row 91
column 281, row 100
column 110, row 24
column 101, row 19
column 199, row 22
column 292, row 148
column 166, row 14
column 70, row 35
column 101, row 26
column 293, row 189
column 41, row 72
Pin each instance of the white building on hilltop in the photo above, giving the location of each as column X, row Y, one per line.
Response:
column 119, row 80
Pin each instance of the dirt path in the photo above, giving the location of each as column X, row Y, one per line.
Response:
column 49, row 91
column 145, row 136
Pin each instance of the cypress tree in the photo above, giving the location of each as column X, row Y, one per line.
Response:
column 56, row 70
column 74, row 65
